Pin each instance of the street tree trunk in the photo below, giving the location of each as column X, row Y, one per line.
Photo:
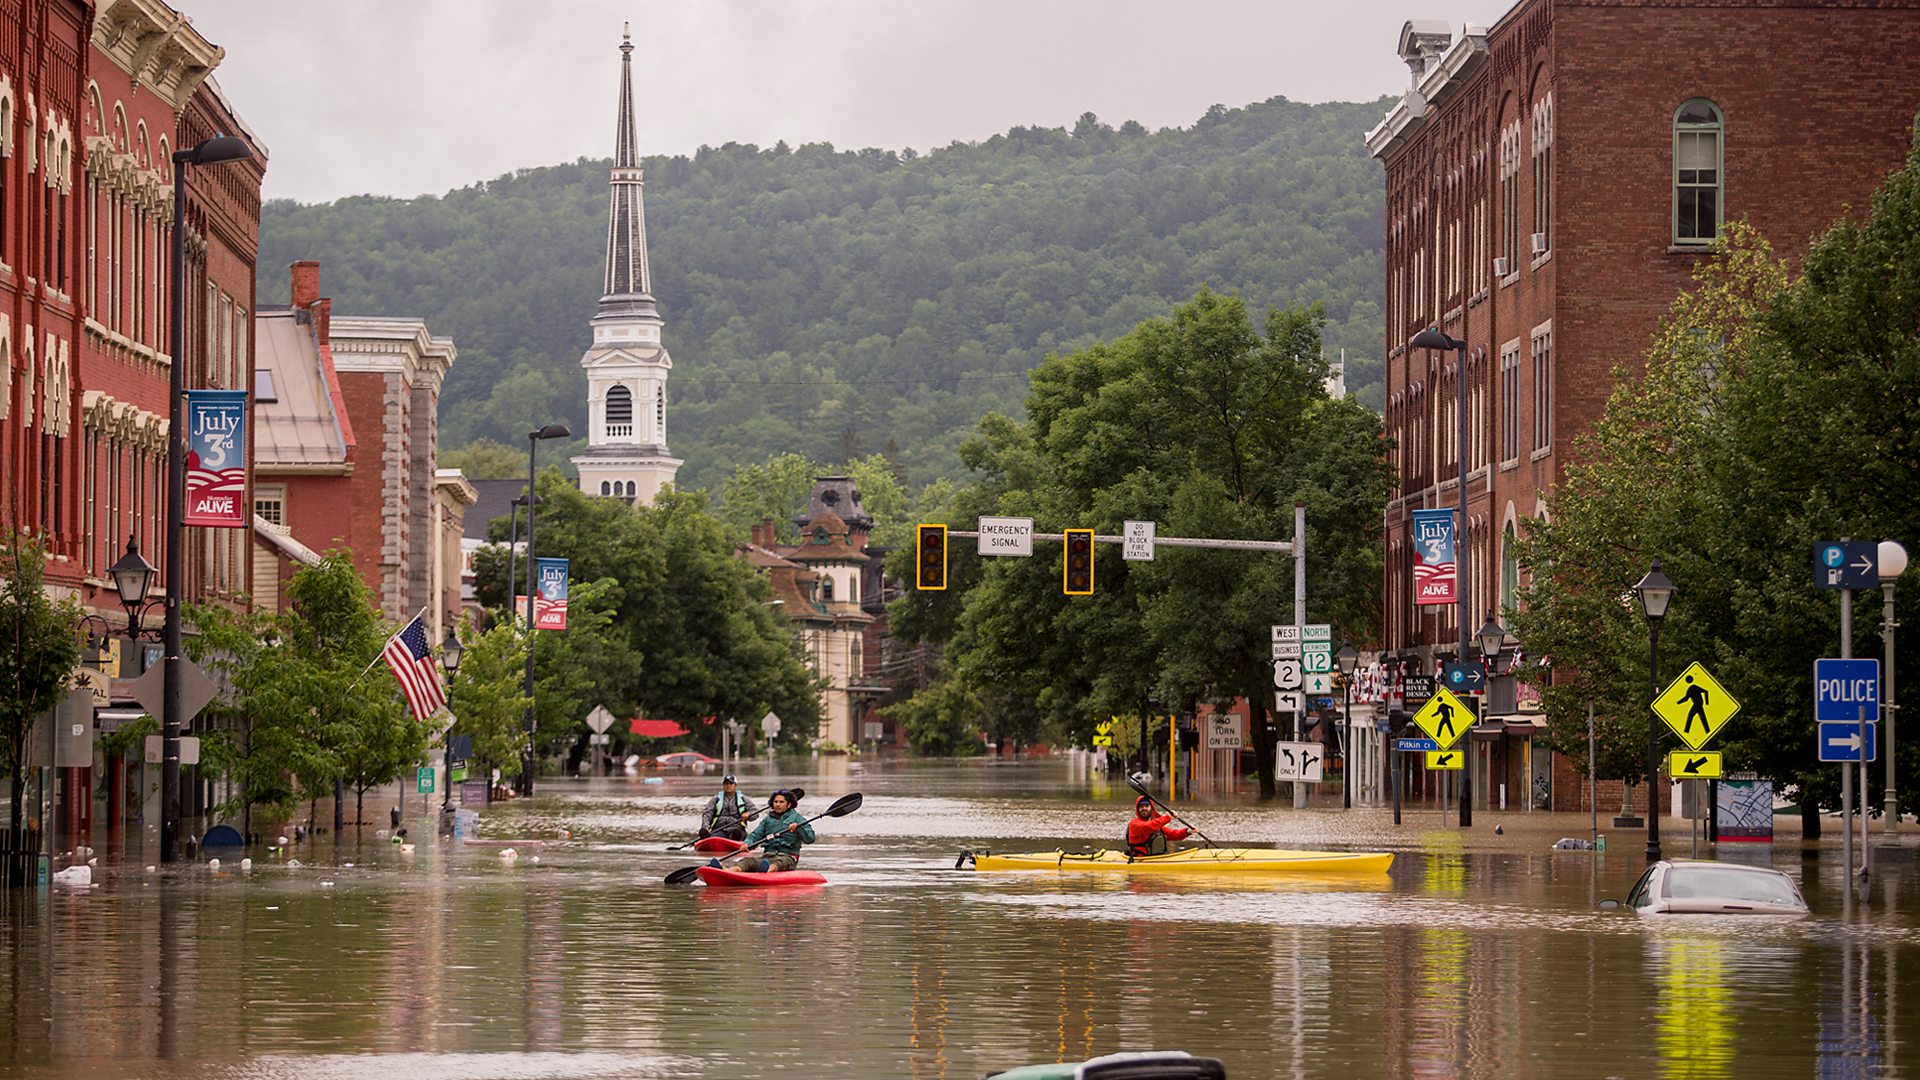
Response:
column 1263, row 740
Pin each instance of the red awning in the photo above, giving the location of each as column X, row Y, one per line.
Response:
column 658, row 729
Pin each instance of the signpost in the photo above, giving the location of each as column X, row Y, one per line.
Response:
column 1695, row 706
column 1103, row 733
column 1415, row 746
column 1465, row 678
column 423, row 780
column 1298, row 761
column 1846, row 564
column 1225, row 732
column 1137, row 542
column 1006, row 536
column 1849, row 741
column 1445, row 718
column 1695, row 765
column 1446, row 759
column 1316, row 645
column 1842, row 688
column 1286, row 674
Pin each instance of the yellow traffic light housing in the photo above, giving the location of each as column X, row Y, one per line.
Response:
column 1076, row 568
column 930, row 558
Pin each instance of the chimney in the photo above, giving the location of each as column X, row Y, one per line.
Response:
column 306, row 283
column 322, row 309
column 763, row 535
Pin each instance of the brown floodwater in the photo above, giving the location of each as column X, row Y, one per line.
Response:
column 1477, row 956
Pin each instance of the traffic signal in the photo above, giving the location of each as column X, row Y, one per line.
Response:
column 930, row 558
column 1076, row 571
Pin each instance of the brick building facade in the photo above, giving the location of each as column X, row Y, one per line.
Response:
column 1549, row 191
column 94, row 99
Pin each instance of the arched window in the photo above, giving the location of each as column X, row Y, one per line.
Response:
column 619, row 413
column 1509, row 573
column 606, row 488
column 1698, row 159
column 826, row 588
column 632, row 489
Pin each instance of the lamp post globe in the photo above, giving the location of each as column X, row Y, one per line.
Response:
column 1655, row 592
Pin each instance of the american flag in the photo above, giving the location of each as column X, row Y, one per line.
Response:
column 411, row 660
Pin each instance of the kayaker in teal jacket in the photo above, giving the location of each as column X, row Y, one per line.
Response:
column 779, row 835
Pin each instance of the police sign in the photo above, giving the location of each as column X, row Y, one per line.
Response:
column 1842, row 688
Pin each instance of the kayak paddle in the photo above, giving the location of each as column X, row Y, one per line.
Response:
column 795, row 792
column 842, row 806
column 1134, row 783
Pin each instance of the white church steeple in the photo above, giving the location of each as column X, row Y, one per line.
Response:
column 626, row 365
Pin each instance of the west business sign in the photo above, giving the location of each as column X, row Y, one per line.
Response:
column 1435, row 570
column 217, row 460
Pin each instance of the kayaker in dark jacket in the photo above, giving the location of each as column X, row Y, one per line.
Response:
column 1148, row 833
column 779, row 835
column 728, row 812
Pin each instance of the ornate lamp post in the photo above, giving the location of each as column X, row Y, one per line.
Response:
column 1348, row 660
column 212, row 151
column 1655, row 592
column 1432, row 338
column 1893, row 563
column 551, row 431
column 450, row 653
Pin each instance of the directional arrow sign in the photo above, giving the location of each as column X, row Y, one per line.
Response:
column 1846, row 564
column 1445, row 718
column 1298, row 761
column 1694, row 765
column 1695, row 706
column 1446, row 759
column 1846, row 742
column 1465, row 678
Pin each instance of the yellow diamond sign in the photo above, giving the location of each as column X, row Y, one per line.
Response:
column 1694, row 765
column 1446, row 759
column 1695, row 706
column 1445, row 718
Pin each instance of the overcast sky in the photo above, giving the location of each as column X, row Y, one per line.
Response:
column 406, row 97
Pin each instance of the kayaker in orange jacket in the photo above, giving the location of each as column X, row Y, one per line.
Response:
column 1149, row 833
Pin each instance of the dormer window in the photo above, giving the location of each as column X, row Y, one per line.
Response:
column 820, row 535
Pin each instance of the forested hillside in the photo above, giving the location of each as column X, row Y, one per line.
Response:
column 833, row 303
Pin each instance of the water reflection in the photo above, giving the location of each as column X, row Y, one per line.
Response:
column 1477, row 959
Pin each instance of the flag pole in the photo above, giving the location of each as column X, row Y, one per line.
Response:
column 383, row 647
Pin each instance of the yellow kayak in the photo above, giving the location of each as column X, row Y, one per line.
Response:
column 1208, row 860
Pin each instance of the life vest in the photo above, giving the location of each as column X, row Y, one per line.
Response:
column 1150, row 836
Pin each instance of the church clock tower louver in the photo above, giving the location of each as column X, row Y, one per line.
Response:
column 626, row 365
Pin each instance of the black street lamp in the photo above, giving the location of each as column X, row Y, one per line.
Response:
column 1491, row 635
column 1655, row 592
column 220, row 148
column 551, row 431
column 133, row 580
column 450, row 653
column 1348, row 660
column 1432, row 338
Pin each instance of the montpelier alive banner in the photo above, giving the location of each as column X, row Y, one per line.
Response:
column 217, row 459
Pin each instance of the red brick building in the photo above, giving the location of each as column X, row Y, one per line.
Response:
column 1551, row 183
column 94, row 99
column 347, row 453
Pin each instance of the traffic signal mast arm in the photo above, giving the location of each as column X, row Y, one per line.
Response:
column 1283, row 546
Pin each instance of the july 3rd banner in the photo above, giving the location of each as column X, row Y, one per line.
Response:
column 217, row 459
column 1435, row 570
column 550, row 603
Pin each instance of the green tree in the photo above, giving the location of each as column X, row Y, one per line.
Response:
column 39, row 649
column 487, row 696
column 485, row 459
column 1211, row 428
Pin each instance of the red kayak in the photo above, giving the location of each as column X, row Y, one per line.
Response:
column 717, row 845
column 717, row 875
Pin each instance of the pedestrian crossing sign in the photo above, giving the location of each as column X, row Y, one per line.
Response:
column 1445, row 718
column 1695, row 706
column 1446, row 759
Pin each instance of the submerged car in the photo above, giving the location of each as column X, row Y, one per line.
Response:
column 1712, row 888
column 686, row 759
column 1143, row 1065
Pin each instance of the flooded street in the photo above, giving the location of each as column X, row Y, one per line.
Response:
column 1483, row 957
